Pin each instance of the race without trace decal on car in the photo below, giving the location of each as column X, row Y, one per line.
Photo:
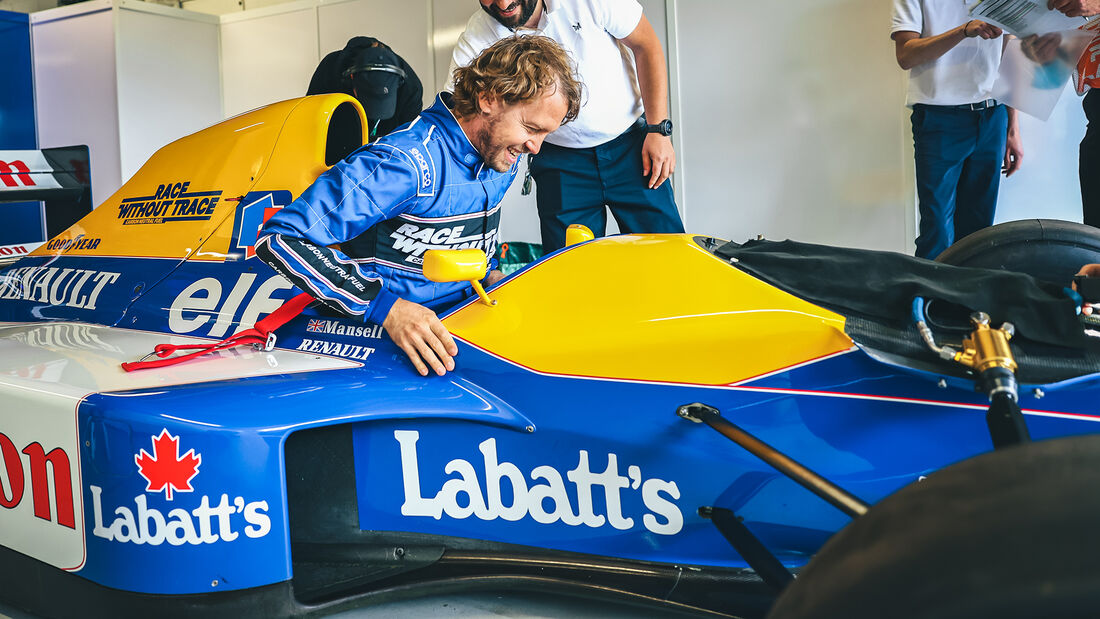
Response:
column 171, row 202
column 461, row 495
column 206, row 523
column 70, row 287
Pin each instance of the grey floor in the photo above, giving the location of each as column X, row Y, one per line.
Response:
column 525, row 606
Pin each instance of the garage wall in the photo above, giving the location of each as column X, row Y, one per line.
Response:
column 23, row 221
column 792, row 123
column 75, row 87
column 267, row 55
column 795, row 126
column 167, row 66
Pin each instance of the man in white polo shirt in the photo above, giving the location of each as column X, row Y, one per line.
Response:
column 962, row 138
column 609, row 155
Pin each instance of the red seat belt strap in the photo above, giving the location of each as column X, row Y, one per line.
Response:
column 260, row 335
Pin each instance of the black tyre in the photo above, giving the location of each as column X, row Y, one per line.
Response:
column 1049, row 249
column 1012, row 534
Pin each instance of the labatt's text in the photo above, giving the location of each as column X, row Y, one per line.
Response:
column 204, row 524
column 548, row 502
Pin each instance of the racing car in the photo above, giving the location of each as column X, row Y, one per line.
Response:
column 674, row 422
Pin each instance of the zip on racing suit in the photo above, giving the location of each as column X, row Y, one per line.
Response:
column 421, row 187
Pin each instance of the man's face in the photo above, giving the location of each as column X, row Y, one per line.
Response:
column 510, row 13
column 508, row 131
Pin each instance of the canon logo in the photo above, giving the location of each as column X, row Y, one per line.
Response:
column 14, row 481
column 12, row 173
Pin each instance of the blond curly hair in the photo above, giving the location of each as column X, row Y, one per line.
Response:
column 516, row 70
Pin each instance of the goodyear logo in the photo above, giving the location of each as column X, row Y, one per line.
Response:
column 172, row 202
column 80, row 242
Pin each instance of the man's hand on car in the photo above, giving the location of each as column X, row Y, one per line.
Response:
column 418, row 331
column 1075, row 8
column 493, row 277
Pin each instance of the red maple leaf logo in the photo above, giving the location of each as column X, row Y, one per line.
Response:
column 167, row 471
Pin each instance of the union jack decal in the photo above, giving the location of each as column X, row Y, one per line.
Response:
column 315, row 326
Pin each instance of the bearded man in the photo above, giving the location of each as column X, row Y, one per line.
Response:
column 611, row 157
column 355, row 239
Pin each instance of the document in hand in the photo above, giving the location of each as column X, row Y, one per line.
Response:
column 1024, row 18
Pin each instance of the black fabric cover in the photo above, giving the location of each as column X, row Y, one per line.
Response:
column 881, row 286
column 328, row 78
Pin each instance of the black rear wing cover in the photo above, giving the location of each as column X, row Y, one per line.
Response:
column 47, row 174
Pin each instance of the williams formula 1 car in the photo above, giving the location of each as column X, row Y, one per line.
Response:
column 670, row 421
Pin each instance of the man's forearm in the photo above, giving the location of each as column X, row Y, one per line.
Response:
column 653, row 83
column 917, row 50
column 327, row 275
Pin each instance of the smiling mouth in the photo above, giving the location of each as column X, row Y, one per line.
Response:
column 510, row 11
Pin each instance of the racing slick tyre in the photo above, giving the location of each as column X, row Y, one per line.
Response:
column 1050, row 249
column 1010, row 534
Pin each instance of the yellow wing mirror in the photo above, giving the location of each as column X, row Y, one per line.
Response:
column 577, row 233
column 458, row 265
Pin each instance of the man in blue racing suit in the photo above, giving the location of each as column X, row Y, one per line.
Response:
column 356, row 237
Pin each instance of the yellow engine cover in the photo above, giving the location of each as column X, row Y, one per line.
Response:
column 652, row 308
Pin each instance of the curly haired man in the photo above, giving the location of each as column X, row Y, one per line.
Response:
column 436, row 183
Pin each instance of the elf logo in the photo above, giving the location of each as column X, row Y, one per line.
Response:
column 206, row 307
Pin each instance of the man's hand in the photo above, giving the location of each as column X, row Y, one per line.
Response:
column 1089, row 270
column 418, row 331
column 1075, row 8
column 658, row 159
column 1014, row 152
column 1041, row 49
column 978, row 28
column 493, row 277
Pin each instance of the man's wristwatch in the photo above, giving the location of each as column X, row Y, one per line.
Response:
column 664, row 128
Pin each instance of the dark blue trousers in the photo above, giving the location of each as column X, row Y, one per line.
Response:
column 959, row 154
column 575, row 184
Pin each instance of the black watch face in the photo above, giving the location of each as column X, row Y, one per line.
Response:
column 664, row 127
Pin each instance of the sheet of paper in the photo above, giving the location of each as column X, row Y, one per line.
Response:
column 1024, row 18
column 1034, row 72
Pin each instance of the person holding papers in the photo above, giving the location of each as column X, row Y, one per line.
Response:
column 962, row 138
column 1087, row 79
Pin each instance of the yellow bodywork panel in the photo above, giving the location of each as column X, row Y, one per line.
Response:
column 663, row 309
column 186, row 194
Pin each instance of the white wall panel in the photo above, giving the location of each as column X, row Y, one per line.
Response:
column 403, row 26
column 168, row 80
column 75, row 97
column 791, row 122
column 1047, row 184
column 268, row 55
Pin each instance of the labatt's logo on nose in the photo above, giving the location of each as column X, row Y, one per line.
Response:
column 545, row 502
column 165, row 471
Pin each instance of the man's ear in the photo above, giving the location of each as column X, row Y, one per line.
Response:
column 488, row 103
